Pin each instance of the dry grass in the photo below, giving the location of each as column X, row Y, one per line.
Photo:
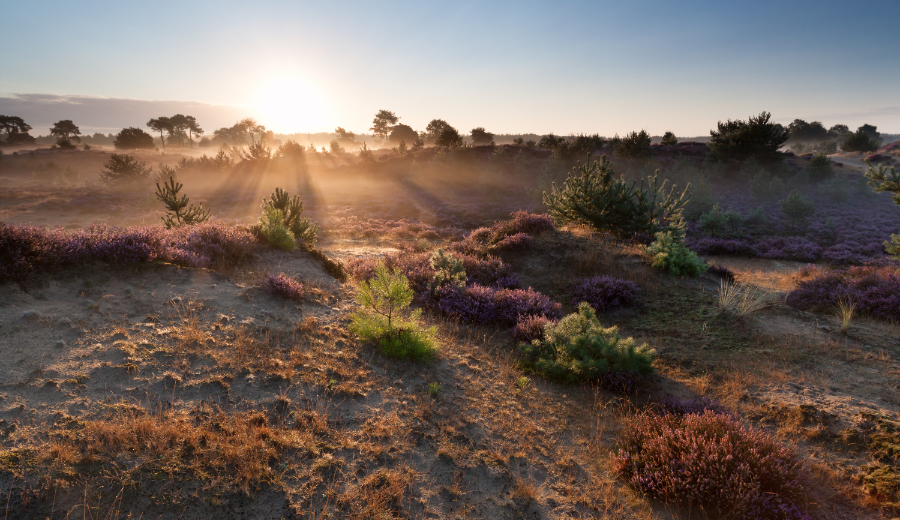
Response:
column 740, row 300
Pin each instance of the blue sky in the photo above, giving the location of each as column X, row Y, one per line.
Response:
column 566, row 67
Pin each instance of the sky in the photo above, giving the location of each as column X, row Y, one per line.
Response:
column 607, row 67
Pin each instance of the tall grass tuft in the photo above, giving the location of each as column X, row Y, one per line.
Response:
column 740, row 300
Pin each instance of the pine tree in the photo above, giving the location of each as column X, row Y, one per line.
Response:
column 177, row 211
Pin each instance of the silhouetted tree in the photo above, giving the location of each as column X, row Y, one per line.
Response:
column 344, row 136
column 230, row 135
column 838, row 131
column 449, row 137
column 403, row 132
column 65, row 131
column 180, row 126
column 132, row 139
column 758, row 138
column 193, row 129
column 161, row 124
column 800, row 130
column 550, row 141
column 480, row 136
column 383, row 122
column 669, row 139
column 434, row 129
column 16, row 130
column 862, row 140
column 251, row 127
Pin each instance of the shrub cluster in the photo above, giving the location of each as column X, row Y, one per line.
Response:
column 505, row 235
column 283, row 286
column 603, row 293
column 530, row 327
column 712, row 461
column 578, row 348
column 670, row 254
column 872, row 289
column 28, row 250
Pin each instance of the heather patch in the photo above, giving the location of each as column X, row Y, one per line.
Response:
column 714, row 462
column 873, row 290
column 489, row 305
column 283, row 286
column 603, row 293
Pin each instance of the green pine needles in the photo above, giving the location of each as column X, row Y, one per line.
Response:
column 179, row 212
column 447, row 271
column 387, row 321
column 668, row 252
column 594, row 197
column 303, row 230
column 578, row 349
column 884, row 179
column 797, row 209
column 272, row 229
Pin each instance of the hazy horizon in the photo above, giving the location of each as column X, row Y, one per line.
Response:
column 574, row 67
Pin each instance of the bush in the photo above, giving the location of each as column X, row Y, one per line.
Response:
column 873, row 290
column 797, row 209
column 766, row 186
column 880, row 180
column 447, row 271
column 820, row 168
column 133, row 139
column 634, row 145
column 756, row 138
column 714, row 462
column 596, row 199
column 304, row 231
column 603, row 293
column 578, row 349
column 124, row 169
column 271, row 228
column 722, row 224
column 669, row 139
column 860, row 141
column 283, row 286
column 669, row 253
column 386, row 319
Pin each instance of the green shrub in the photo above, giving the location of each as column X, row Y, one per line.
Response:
column 757, row 138
column 271, row 228
column 669, row 139
column 634, row 145
column 820, row 168
column 766, row 186
column 884, row 179
column 387, row 321
column 797, row 209
column 305, row 232
column 668, row 252
column 447, row 271
column 596, row 199
column 578, row 348
column 177, row 211
column 860, row 141
column 721, row 224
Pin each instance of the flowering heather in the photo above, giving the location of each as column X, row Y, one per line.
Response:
column 529, row 328
column 487, row 305
column 517, row 241
column 532, row 223
column 603, row 293
column 30, row 250
column 712, row 461
column 872, row 289
column 840, row 234
column 284, row 286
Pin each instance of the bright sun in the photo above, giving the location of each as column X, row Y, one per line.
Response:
column 289, row 104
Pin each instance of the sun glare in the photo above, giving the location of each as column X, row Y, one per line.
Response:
column 290, row 104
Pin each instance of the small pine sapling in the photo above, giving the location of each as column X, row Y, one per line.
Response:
column 797, row 209
column 668, row 252
column 304, row 231
column 820, row 168
column 178, row 211
column 273, row 230
column 124, row 169
column 447, row 271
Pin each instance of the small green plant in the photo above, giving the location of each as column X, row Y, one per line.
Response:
column 124, row 169
column 387, row 321
column 594, row 197
column 820, row 168
column 304, row 231
column 884, row 179
column 578, row 348
column 272, row 230
column 797, row 209
column 668, row 252
column 434, row 389
column 766, row 186
column 178, row 212
column 722, row 224
column 447, row 271
column 522, row 382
